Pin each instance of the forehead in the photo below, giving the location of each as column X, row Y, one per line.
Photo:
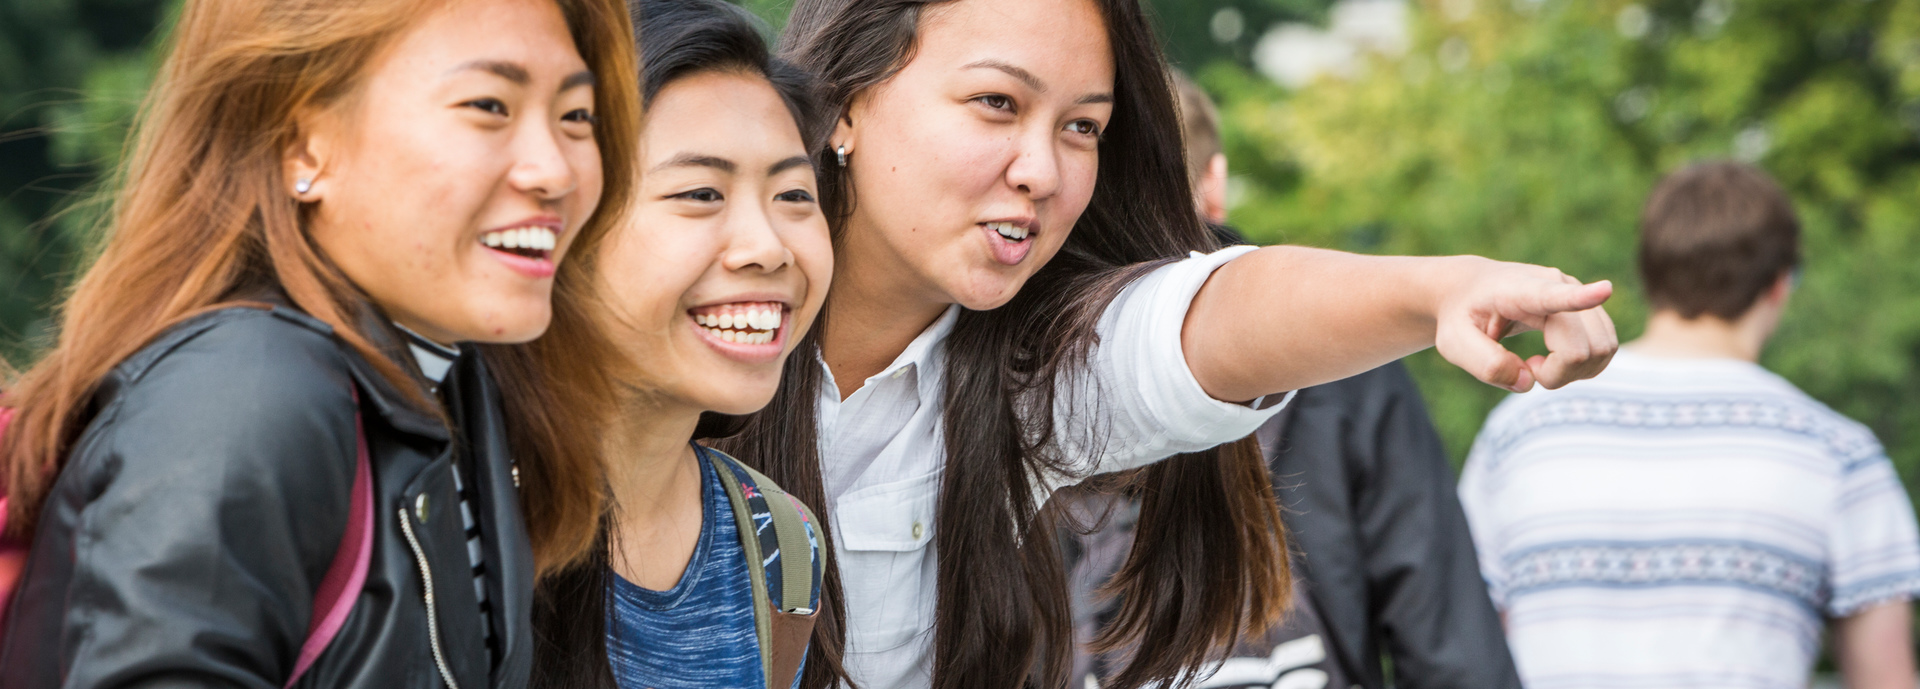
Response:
column 530, row 33
column 734, row 114
column 1063, row 42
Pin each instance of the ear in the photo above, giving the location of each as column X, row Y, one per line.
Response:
column 844, row 133
column 1213, row 190
column 306, row 156
column 1781, row 289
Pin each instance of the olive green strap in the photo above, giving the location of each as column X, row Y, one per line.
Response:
column 762, row 607
column 796, row 550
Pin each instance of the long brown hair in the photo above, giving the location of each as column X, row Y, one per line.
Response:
column 203, row 217
column 1209, row 561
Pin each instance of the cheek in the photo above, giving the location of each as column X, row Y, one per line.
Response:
column 585, row 160
column 935, row 154
column 813, row 250
column 1079, row 175
column 651, row 265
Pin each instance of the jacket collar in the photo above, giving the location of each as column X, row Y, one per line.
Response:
column 398, row 408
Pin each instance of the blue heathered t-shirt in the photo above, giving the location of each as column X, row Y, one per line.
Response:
column 700, row 633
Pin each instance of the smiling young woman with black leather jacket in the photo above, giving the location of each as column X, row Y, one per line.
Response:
column 209, row 493
column 250, row 460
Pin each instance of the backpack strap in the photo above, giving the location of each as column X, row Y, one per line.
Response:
column 792, row 525
column 791, row 588
column 348, row 574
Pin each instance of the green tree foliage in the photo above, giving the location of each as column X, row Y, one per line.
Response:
column 72, row 73
column 1531, row 130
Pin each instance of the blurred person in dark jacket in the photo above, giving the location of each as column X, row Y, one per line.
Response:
column 1385, row 565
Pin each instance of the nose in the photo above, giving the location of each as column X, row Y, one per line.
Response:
column 753, row 244
column 540, row 168
column 1035, row 170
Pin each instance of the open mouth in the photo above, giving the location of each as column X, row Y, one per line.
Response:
column 747, row 323
column 1009, row 231
column 1009, row 241
column 536, row 243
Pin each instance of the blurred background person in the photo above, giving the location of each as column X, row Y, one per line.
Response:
column 1689, row 519
column 1384, row 564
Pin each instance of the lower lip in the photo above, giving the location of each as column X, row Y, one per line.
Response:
column 745, row 353
column 535, row 268
column 1007, row 251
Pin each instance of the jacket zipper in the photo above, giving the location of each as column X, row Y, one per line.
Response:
column 433, row 620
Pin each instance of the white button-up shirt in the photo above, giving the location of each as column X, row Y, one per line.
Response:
column 882, row 451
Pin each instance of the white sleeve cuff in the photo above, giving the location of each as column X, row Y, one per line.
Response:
column 1150, row 394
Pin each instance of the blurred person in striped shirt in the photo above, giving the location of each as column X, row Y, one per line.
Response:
column 1687, row 518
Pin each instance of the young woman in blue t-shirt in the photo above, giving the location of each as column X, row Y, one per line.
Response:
column 719, row 267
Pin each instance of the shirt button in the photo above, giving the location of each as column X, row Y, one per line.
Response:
column 420, row 507
column 918, row 530
column 897, row 374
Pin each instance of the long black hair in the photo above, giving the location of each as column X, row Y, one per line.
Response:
column 1209, row 560
column 678, row 38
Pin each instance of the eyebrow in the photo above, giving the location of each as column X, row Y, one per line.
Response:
column 789, row 164
column 517, row 74
column 697, row 160
column 506, row 70
column 1014, row 71
column 1034, row 82
column 580, row 78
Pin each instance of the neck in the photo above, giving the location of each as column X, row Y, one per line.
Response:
column 647, row 450
column 655, row 483
column 875, row 316
column 1671, row 335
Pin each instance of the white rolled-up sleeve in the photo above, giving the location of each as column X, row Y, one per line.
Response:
column 1136, row 401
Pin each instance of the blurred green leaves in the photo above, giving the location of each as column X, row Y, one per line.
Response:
column 72, row 73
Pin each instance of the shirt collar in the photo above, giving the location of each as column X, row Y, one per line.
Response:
column 434, row 359
column 925, row 352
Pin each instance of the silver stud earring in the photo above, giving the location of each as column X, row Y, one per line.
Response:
column 302, row 185
column 842, row 153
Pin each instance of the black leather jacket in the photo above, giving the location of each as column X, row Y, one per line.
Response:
column 182, row 542
column 1368, row 498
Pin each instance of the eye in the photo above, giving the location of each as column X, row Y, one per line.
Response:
column 490, row 105
column 701, row 195
column 580, row 115
column 795, row 196
column 996, row 101
column 1084, row 127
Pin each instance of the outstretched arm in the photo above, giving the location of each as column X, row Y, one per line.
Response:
column 1284, row 318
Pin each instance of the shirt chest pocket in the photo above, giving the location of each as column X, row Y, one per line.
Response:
column 884, row 535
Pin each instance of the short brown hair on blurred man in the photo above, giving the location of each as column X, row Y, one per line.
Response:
column 1715, row 238
column 1687, row 518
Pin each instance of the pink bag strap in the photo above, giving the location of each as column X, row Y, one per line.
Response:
column 348, row 573
column 13, row 552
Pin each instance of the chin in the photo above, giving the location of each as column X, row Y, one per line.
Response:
column 987, row 292
column 741, row 405
column 527, row 326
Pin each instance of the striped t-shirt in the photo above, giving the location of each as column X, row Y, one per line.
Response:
column 1682, row 523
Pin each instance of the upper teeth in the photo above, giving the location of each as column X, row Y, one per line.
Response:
column 751, row 325
column 539, row 238
column 1008, row 230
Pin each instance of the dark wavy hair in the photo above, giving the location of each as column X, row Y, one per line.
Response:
column 1209, row 561
column 678, row 38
